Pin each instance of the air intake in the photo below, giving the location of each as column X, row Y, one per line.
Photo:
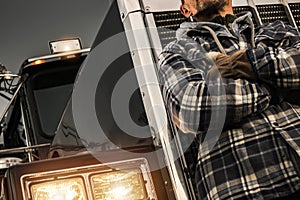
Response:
column 295, row 8
column 167, row 23
column 272, row 12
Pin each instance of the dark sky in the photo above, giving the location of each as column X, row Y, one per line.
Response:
column 27, row 26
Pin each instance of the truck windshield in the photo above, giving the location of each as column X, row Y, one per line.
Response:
column 50, row 104
column 47, row 91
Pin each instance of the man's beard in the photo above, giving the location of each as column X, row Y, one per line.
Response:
column 207, row 8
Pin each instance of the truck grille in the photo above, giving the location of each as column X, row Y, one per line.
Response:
column 295, row 7
column 167, row 23
column 271, row 13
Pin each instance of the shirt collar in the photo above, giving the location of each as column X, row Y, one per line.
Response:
column 240, row 22
column 227, row 20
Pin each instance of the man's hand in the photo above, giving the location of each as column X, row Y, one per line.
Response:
column 233, row 66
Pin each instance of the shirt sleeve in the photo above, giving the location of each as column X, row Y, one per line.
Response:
column 195, row 103
column 276, row 59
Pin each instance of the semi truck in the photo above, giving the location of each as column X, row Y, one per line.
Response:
column 90, row 123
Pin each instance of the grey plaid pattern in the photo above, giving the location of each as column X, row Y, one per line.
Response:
column 257, row 152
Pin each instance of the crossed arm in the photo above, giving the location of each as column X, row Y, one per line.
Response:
column 191, row 99
column 275, row 60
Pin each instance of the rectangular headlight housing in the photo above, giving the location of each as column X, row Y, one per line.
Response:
column 126, row 180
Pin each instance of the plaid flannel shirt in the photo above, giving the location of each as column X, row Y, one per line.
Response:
column 256, row 155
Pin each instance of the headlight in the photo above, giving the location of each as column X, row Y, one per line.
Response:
column 65, row 189
column 124, row 180
column 123, row 185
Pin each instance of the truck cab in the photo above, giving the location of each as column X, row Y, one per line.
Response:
column 91, row 123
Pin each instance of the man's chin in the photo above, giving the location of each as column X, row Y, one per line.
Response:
column 206, row 15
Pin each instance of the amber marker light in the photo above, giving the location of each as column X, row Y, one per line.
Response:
column 37, row 62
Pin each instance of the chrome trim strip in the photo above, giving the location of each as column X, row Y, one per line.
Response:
column 128, row 6
column 145, row 68
column 160, row 5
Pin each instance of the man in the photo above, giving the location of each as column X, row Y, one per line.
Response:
column 219, row 63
